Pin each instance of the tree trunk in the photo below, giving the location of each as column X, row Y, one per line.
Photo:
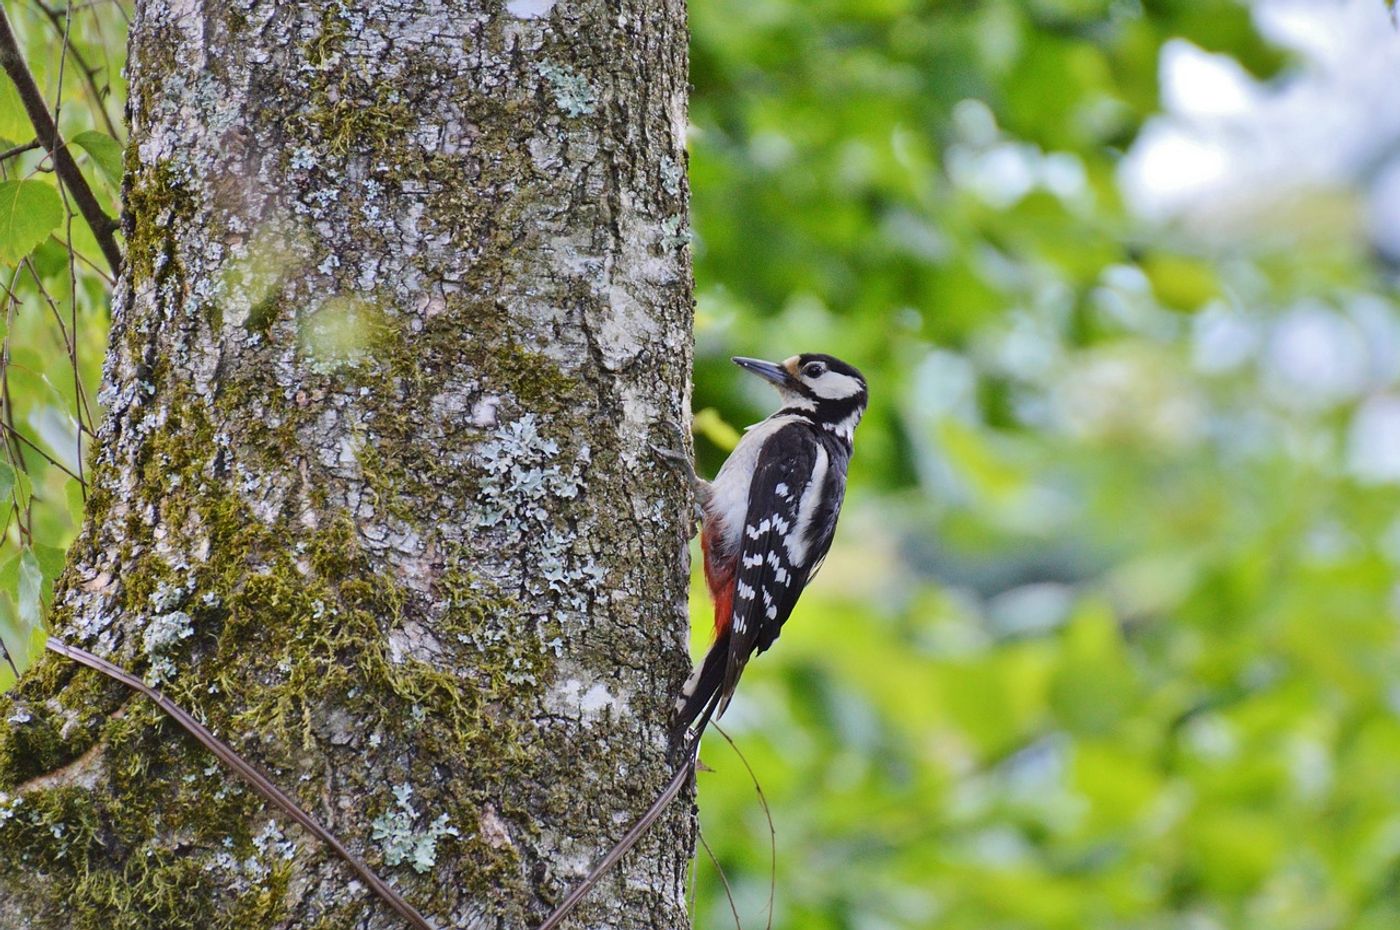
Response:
column 406, row 295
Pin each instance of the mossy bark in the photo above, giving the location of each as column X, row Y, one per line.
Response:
column 406, row 297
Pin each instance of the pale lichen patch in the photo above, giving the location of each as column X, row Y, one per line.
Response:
column 402, row 840
column 571, row 91
column 529, row 9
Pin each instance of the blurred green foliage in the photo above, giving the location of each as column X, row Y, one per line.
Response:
column 1109, row 638
column 56, row 293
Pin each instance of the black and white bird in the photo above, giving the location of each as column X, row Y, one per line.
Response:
column 766, row 525
column 767, row 521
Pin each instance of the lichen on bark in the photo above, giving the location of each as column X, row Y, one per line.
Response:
column 403, row 304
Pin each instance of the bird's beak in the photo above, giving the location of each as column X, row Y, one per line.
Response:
column 768, row 370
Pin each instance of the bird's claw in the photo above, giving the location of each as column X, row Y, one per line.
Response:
column 670, row 455
column 679, row 458
column 682, row 461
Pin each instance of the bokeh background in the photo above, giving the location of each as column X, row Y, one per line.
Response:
column 1110, row 637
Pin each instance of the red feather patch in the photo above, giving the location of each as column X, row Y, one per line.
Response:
column 719, row 577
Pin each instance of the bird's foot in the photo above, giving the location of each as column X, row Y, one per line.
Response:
column 682, row 461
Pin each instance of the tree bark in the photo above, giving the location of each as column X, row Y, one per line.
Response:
column 406, row 295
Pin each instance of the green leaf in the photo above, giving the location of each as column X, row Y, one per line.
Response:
column 15, row 127
column 20, row 641
column 31, row 587
column 7, row 480
column 14, row 653
column 29, row 211
column 106, row 152
column 1179, row 282
column 51, row 560
column 1094, row 685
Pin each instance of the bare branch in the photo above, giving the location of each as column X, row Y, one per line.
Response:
column 678, row 780
column 19, row 149
column 256, row 779
column 103, row 226
column 724, row 880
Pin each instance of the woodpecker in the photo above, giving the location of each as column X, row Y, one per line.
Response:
column 766, row 524
column 767, row 521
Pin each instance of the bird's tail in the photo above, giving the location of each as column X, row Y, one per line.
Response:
column 700, row 696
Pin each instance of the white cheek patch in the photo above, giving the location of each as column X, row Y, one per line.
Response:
column 834, row 385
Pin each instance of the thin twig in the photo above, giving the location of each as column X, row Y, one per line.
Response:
column 102, row 225
column 70, row 334
column 256, row 779
column 23, row 508
column 686, row 768
column 19, row 149
column 5, row 413
column 724, row 879
column 694, row 886
column 672, row 789
column 59, row 18
column 12, row 431
column 767, row 813
column 96, row 269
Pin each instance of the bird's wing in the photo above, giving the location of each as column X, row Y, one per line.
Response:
column 773, row 560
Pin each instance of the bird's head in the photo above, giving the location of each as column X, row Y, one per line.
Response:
column 832, row 391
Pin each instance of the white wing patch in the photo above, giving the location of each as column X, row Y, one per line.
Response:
column 806, row 508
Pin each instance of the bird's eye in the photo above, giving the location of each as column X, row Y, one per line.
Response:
column 814, row 369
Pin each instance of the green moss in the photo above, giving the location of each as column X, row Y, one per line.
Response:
column 264, row 313
column 323, row 51
column 409, row 371
column 293, row 624
column 360, row 122
column 65, row 835
column 531, row 377
column 28, row 749
column 156, row 199
column 346, row 113
column 46, row 742
column 50, row 830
